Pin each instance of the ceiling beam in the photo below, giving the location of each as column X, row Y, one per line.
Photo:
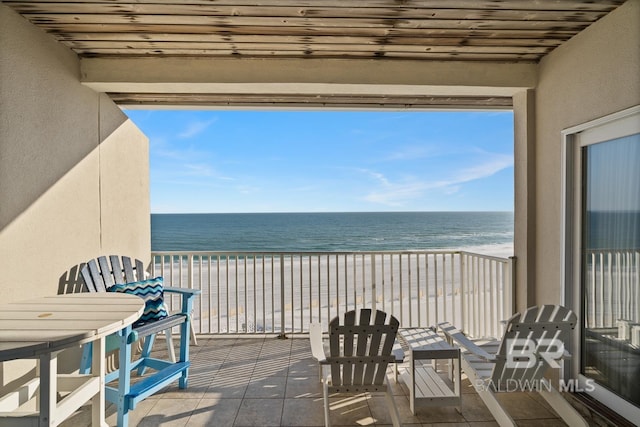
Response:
column 305, row 76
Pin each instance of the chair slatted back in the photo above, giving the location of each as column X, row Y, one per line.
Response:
column 531, row 340
column 360, row 350
column 102, row 273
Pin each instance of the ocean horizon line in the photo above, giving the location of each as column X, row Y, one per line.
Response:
column 329, row 212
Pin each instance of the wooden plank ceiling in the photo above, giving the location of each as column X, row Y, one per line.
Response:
column 462, row 30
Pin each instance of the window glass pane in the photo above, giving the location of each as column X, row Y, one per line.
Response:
column 611, row 260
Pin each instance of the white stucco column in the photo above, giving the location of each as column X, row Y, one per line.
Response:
column 524, row 197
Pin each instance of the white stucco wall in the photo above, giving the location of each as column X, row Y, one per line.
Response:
column 73, row 169
column 592, row 75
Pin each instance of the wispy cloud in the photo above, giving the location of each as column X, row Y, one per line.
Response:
column 398, row 193
column 495, row 164
column 162, row 147
column 392, row 193
column 184, row 162
column 412, row 153
column 247, row 189
column 201, row 169
column 376, row 175
column 187, row 166
column 195, row 128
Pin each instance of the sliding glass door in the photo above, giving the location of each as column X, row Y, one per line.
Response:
column 606, row 256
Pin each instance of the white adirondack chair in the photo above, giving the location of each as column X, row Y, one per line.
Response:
column 358, row 355
column 532, row 343
column 99, row 274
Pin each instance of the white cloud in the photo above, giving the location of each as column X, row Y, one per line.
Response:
column 397, row 194
column 376, row 175
column 194, row 174
column 162, row 150
column 452, row 189
column 412, row 153
column 195, row 128
column 198, row 170
column 247, row 189
column 390, row 193
column 495, row 164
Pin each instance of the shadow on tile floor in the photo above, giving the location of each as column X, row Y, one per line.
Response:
column 270, row 382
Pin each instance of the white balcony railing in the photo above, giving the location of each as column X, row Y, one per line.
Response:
column 612, row 287
column 282, row 292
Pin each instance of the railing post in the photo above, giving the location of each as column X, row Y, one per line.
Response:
column 190, row 272
column 463, row 277
column 510, row 298
column 190, row 286
column 282, row 335
column 374, row 294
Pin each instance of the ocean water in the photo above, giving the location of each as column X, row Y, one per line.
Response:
column 489, row 232
column 612, row 230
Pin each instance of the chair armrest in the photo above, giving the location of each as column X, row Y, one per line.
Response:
column 188, row 296
column 182, row 291
column 157, row 326
column 315, row 338
column 456, row 336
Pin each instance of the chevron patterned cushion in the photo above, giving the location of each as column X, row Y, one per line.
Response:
column 152, row 292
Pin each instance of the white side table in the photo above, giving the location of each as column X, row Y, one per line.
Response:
column 426, row 387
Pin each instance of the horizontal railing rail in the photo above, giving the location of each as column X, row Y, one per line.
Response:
column 282, row 292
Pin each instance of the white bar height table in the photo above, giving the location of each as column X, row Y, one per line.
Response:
column 426, row 387
column 40, row 328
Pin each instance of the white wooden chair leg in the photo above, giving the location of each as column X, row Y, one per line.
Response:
column 168, row 335
column 502, row 418
column 559, row 404
column 48, row 368
column 98, row 369
column 482, row 388
column 327, row 415
column 124, row 378
column 194, row 340
column 393, row 408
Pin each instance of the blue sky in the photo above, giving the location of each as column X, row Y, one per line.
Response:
column 331, row 161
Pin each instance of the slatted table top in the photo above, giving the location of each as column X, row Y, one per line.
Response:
column 425, row 343
column 46, row 324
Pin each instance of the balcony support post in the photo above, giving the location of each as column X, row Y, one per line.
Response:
column 282, row 335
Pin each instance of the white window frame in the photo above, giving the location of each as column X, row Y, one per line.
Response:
column 617, row 125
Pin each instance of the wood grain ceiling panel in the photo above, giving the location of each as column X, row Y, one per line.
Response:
column 496, row 30
column 504, row 31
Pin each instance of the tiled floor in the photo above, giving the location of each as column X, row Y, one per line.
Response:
column 272, row 382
